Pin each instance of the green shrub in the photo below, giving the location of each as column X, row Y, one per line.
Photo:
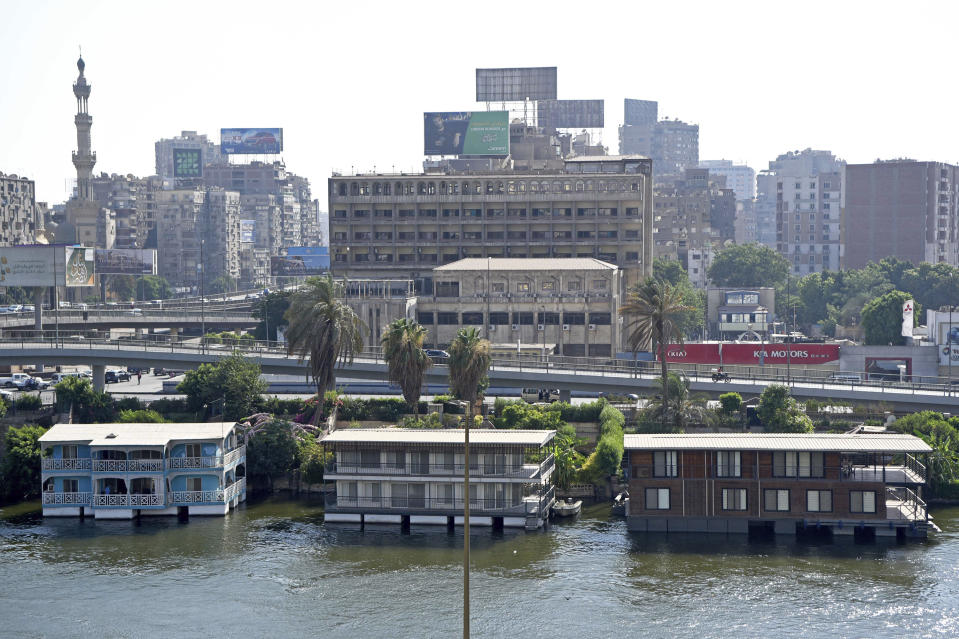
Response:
column 730, row 403
column 167, row 406
column 28, row 402
column 381, row 409
column 433, row 420
column 130, row 403
column 588, row 412
column 142, row 416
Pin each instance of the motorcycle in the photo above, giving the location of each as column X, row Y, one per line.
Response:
column 721, row 376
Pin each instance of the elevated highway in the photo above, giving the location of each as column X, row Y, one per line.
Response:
column 72, row 321
column 582, row 374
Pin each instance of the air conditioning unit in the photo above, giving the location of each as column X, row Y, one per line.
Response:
column 541, row 327
column 592, row 327
column 565, row 327
column 515, row 327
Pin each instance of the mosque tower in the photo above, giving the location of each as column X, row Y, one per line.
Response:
column 83, row 157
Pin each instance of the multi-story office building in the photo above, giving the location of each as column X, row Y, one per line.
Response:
column 198, row 231
column 693, row 215
column 210, row 152
column 568, row 306
column 804, row 191
column 402, row 226
column 739, row 177
column 20, row 218
column 903, row 209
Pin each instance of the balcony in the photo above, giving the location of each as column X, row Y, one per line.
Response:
column 211, row 461
column 218, row 496
column 66, row 499
column 524, row 471
column 127, row 465
column 528, row 506
column 66, row 464
column 135, row 500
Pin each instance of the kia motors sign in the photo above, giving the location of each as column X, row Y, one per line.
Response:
column 752, row 354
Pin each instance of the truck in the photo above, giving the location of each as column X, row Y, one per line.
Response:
column 20, row 381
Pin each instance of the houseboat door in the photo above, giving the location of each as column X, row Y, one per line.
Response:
column 417, row 495
column 420, row 463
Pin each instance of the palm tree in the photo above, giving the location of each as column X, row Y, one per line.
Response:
column 469, row 364
column 653, row 311
column 683, row 409
column 406, row 361
column 323, row 329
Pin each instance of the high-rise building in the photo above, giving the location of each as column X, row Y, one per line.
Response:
column 739, row 177
column 401, row 226
column 673, row 145
column 901, row 208
column 86, row 222
column 133, row 203
column 210, row 152
column 804, row 191
column 21, row 218
column 198, row 231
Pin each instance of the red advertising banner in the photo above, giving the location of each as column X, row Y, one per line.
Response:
column 752, row 354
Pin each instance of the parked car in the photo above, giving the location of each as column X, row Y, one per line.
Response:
column 534, row 395
column 437, row 355
column 112, row 377
column 20, row 381
column 36, row 383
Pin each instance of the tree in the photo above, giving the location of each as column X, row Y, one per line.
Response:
column 222, row 284
column 730, row 402
column 122, row 286
column 312, row 459
column 20, row 469
column 779, row 412
column 271, row 452
column 691, row 321
column 568, row 459
column 89, row 406
column 468, row 365
column 233, row 382
column 653, row 314
column 271, row 311
column 323, row 329
column 152, row 287
column 671, row 271
column 882, row 319
column 751, row 265
column 681, row 410
column 406, row 361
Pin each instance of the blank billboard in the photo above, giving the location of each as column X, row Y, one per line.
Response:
column 516, row 84
column 569, row 114
column 466, row 133
column 251, row 141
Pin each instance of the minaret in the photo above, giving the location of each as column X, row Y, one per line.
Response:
column 83, row 157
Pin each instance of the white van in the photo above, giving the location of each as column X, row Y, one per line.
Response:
column 536, row 395
column 846, row 378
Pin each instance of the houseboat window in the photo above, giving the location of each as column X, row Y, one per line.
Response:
column 194, row 450
column 370, row 458
column 819, row 501
column 664, row 463
column 194, row 484
column 657, row 499
column 398, row 492
column 446, row 494
column 473, row 495
column 446, row 459
column 790, row 464
column 71, row 485
column 349, row 490
column 862, row 501
column 396, row 458
column 734, row 499
column 70, row 452
column 728, row 464
column 376, row 493
column 776, row 501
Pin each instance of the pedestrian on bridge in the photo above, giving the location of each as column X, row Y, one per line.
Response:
column 139, row 375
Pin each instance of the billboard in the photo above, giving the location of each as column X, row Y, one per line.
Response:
column 516, row 84
column 126, row 261
column 569, row 114
column 948, row 343
column 299, row 261
column 247, row 230
column 251, row 141
column 46, row 265
column 466, row 133
column 80, row 266
column 187, row 163
column 752, row 354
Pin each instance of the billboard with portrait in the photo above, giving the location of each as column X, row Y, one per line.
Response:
column 301, row 261
column 187, row 163
column 948, row 342
column 466, row 133
column 251, row 141
column 247, row 231
column 126, row 261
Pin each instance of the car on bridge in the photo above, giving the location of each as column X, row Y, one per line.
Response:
column 438, row 356
column 113, row 377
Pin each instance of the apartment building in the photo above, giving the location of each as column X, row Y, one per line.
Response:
column 20, row 220
column 402, row 226
column 904, row 209
column 133, row 203
column 739, row 177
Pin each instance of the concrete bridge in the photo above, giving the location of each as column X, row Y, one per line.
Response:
column 72, row 321
column 585, row 374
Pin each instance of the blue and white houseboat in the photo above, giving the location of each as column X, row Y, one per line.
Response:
column 120, row 471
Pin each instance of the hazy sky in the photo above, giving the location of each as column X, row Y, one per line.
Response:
column 349, row 81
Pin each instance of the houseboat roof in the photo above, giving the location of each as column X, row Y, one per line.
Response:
column 134, row 434
column 860, row 443
column 444, row 436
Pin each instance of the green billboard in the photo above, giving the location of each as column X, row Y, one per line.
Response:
column 466, row 133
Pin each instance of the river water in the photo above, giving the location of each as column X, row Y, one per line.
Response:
column 274, row 569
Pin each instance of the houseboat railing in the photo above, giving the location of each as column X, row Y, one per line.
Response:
column 135, row 499
column 66, row 464
column 234, row 489
column 66, row 499
column 528, row 505
column 234, row 455
column 127, row 465
column 911, row 505
column 513, row 471
column 846, row 472
column 915, row 466
column 181, row 463
column 196, row 496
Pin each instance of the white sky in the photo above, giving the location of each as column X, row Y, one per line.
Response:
column 349, row 81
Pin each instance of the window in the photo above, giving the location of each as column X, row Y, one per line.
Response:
column 424, row 318
column 776, row 500
column 734, row 499
column 447, row 289
column 728, row 463
column 548, row 286
column 69, row 452
column 194, row 450
column 574, row 285
column 657, row 499
column 789, row 464
column 664, row 463
column 498, row 319
column 498, row 287
column 447, row 319
column 862, row 501
column 71, row 485
column 522, row 287
column 819, row 501
column 599, row 285
column 195, row 484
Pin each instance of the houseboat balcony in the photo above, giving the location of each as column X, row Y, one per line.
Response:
column 218, row 496
column 66, row 499
column 210, row 461
column 128, row 465
column 477, row 470
column 903, row 504
column 528, row 506
column 128, row 501
column 911, row 473
column 66, row 464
